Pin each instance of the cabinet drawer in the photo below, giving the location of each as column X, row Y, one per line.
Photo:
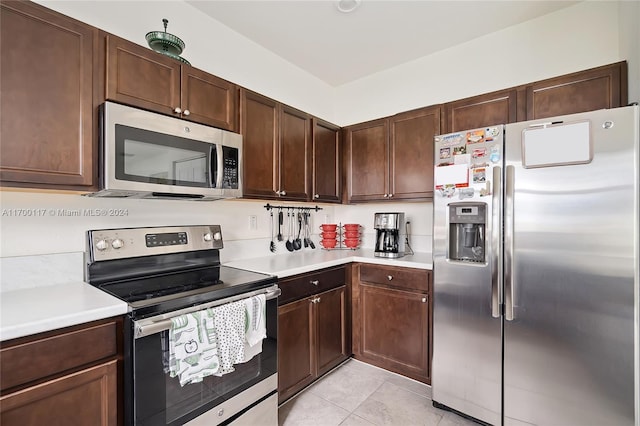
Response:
column 404, row 278
column 32, row 360
column 305, row 285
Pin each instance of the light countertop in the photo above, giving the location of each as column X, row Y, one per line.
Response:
column 39, row 309
column 32, row 310
column 288, row 264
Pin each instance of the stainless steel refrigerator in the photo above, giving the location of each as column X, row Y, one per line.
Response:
column 536, row 271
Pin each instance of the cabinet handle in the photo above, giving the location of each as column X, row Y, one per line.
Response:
column 186, row 112
column 177, row 110
column 315, row 282
column 389, row 277
column 424, row 300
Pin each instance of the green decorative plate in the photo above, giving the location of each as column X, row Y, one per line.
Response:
column 165, row 42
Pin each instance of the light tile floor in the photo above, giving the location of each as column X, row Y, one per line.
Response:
column 358, row 394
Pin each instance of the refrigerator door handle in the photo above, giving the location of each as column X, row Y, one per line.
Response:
column 508, row 242
column 495, row 241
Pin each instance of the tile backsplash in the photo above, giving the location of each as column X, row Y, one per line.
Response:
column 45, row 223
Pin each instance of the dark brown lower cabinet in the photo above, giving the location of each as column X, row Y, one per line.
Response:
column 87, row 397
column 392, row 319
column 313, row 331
column 64, row 377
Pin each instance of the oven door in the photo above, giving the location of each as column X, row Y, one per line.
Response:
column 152, row 397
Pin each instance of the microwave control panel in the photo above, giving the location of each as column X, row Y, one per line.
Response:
column 230, row 172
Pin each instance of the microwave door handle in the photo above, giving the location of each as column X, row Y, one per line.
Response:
column 214, row 166
column 220, row 159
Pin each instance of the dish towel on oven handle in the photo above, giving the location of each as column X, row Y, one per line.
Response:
column 255, row 329
column 211, row 341
column 193, row 347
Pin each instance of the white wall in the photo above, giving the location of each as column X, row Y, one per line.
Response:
column 630, row 44
column 210, row 46
column 39, row 223
column 575, row 38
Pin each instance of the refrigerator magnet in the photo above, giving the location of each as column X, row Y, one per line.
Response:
column 479, row 153
column 476, row 136
column 459, row 150
column 445, row 153
column 479, row 175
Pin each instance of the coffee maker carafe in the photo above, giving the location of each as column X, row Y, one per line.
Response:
column 390, row 234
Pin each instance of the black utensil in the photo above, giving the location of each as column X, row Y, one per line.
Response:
column 297, row 243
column 289, row 243
column 313, row 246
column 272, row 244
column 280, row 222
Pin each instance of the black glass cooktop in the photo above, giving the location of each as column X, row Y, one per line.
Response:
column 168, row 291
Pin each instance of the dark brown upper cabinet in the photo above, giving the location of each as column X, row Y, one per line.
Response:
column 367, row 161
column 327, row 165
column 392, row 158
column 480, row 111
column 411, row 152
column 589, row 90
column 47, row 126
column 140, row 77
column 277, row 149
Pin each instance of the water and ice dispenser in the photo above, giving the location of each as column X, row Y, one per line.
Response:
column 467, row 227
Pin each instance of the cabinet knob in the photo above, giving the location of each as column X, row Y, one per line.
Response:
column 317, row 300
column 316, row 196
column 186, row 112
column 221, row 412
column 389, row 277
column 277, row 192
column 424, row 300
column 390, row 195
column 283, row 192
column 177, row 110
column 315, row 282
column 386, row 195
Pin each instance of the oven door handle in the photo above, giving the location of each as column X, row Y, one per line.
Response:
column 157, row 324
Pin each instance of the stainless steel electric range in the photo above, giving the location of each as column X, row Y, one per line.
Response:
column 164, row 272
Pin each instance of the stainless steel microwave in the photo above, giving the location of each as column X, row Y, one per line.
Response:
column 149, row 155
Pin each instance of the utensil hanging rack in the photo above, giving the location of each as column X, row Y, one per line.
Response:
column 300, row 208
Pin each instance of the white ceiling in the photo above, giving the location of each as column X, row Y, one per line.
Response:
column 339, row 48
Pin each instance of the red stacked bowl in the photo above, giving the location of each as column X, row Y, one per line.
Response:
column 351, row 235
column 329, row 235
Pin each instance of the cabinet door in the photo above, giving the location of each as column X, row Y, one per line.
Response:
column 411, row 152
column 141, row 77
column 296, row 348
column 331, row 329
column 88, row 397
column 395, row 330
column 481, row 111
column 327, row 166
column 295, row 154
column 47, row 120
column 367, row 161
column 208, row 99
column 597, row 88
column 259, row 128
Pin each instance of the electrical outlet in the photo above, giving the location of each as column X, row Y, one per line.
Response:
column 253, row 222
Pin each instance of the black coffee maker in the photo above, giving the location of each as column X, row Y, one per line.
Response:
column 390, row 234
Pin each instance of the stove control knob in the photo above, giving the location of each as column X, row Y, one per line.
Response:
column 217, row 236
column 208, row 236
column 117, row 243
column 101, row 245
